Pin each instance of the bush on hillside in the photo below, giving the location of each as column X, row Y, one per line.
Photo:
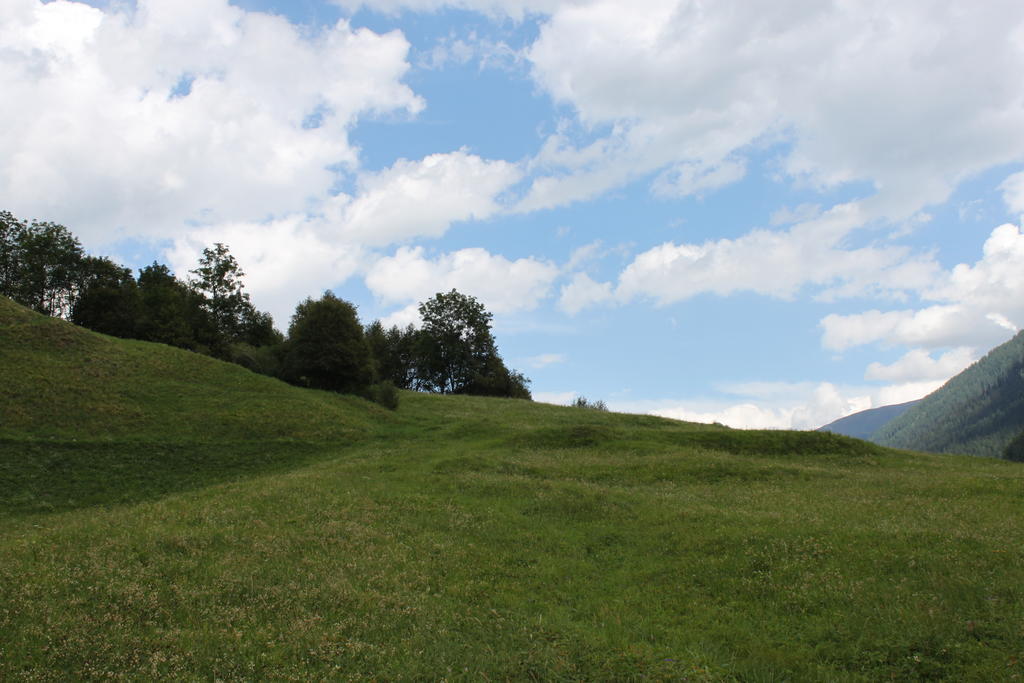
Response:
column 384, row 394
column 1015, row 450
column 264, row 360
column 582, row 402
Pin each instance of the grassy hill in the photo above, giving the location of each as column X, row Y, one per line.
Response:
column 978, row 412
column 86, row 418
column 468, row 538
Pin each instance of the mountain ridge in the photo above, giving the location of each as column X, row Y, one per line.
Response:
column 862, row 424
column 977, row 412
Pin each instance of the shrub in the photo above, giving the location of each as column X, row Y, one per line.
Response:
column 582, row 402
column 383, row 393
column 265, row 360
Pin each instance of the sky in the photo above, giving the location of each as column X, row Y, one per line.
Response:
column 763, row 213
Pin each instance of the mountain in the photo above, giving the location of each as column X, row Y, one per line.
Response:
column 865, row 423
column 978, row 412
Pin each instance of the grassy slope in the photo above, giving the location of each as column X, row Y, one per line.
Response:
column 470, row 538
column 86, row 418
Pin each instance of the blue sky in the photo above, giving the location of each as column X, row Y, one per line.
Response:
column 769, row 214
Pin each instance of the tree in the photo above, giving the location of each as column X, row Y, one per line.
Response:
column 496, row 379
column 40, row 265
column 11, row 231
column 456, row 352
column 173, row 313
column 219, row 280
column 377, row 341
column 109, row 298
column 257, row 329
column 326, row 348
column 455, row 343
column 394, row 353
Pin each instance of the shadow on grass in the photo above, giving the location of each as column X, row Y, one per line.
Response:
column 770, row 443
column 38, row 476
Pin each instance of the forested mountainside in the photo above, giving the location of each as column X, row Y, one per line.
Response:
column 978, row 412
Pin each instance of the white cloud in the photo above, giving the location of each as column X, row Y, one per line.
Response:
column 284, row 260
column 585, row 254
column 196, row 121
column 778, row 264
column 296, row 256
column 996, row 280
column 134, row 121
column 694, row 178
column 582, row 293
column 821, row 404
column 911, row 98
column 1013, row 193
column 894, row 394
column 544, row 359
column 471, row 47
column 918, row 365
column 945, row 325
column 422, row 198
column 403, row 317
column 822, row 78
column 800, row 214
column 782, row 405
column 1002, row 321
column 561, row 398
column 976, row 305
column 503, row 286
column 739, row 416
column 511, row 8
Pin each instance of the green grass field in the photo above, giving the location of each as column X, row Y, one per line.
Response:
column 163, row 515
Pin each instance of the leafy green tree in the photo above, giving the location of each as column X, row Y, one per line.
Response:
column 1015, row 450
column 109, row 299
column 41, row 265
column 495, row 379
column 377, row 340
column 455, row 342
column 257, row 329
column 173, row 313
column 394, row 352
column 11, row 231
column 261, row 346
column 455, row 352
column 219, row 279
column 326, row 347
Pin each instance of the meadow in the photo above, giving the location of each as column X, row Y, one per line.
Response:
column 165, row 515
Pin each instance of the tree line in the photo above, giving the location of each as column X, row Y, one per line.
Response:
column 43, row 267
